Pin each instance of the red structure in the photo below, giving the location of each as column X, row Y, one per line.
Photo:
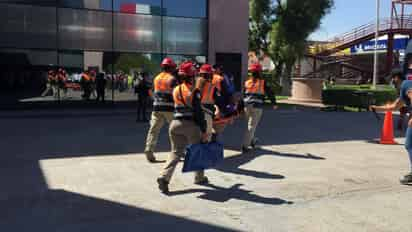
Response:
column 399, row 19
column 400, row 22
column 128, row 8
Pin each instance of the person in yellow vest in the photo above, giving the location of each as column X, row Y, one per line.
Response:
column 163, row 105
column 255, row 90
column 208, row 95
column 188, row 125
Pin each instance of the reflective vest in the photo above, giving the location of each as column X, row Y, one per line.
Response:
column 61, row 77
column 254, row 91
column 183, row 98
column 163, row 90
column 208, row 98
column 52, row 79
column 86, row 77
column 217, row 81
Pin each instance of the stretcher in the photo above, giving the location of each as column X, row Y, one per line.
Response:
column 226, row 120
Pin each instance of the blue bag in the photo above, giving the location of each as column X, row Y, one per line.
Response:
column 202, row 156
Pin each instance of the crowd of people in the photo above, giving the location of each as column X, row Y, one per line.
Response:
column 198, row 103
column 56, row 83
column 91, row 84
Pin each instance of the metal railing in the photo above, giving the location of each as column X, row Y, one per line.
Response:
column 386, row 25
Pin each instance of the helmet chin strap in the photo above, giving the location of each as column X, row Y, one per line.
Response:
column 207, row 76
column 188, row 79
column 257, row 75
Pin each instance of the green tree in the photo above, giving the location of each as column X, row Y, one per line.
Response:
column 291, row 22
column 261, row 18
column 128, row 61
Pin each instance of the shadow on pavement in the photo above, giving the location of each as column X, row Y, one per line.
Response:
column 32, row 140
column 261, row 151
column 58, row 210
column 27, row 203
column 233, row 164
column 300, row 127
column 220, row 194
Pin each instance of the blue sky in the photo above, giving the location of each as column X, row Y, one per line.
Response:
column 348, row 14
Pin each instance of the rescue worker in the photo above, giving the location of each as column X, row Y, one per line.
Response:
column 54, row 84
column 187, row 127
column 61, row 81
column 255, row 90
column 101, row 87
column 49, row 85
column 163, row 105
column 208, row 95
column 224, row 97
column 93, row 75
column 218, row 76
column 143, row 93
column 86, row 85
column 220, row 122
column 404, row 99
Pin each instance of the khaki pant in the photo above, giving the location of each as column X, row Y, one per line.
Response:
column 156, row 123
column 209, row 129
column 181, row 133
column 253, row 116
column 219, row 129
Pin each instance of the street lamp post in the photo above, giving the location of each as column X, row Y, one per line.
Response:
column 376, row 57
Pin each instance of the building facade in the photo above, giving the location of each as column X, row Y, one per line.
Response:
column 122, row 38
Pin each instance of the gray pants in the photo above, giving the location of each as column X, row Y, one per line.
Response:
column 253, row 116
column 156, row 123
column 182, row 133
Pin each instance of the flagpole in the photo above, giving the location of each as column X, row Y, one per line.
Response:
column 376, row 57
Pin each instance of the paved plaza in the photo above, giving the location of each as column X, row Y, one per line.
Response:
column 315, row 171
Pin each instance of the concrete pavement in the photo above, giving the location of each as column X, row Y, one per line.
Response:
column 315, row 171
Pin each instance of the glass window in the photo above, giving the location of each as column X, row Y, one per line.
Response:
column 185, row 8
column 74, row 63
column 137, row 33
column 28, row 57
column 89, row 4
column 82, row 29
column 23, row 75
column 184, row 35
column 152, row 7
column 129, row 68
column 181, row 58
column 32, row 2
column 26, row 26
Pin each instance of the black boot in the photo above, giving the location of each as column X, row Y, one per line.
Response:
column 163, row 185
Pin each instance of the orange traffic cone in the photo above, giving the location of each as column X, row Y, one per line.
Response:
column 387, row 136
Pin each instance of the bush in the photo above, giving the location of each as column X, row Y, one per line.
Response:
column 359, row 97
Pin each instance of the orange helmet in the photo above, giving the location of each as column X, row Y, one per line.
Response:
column 168, row 62
column 255, row 68
column 187, row 68
column 206, row 68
